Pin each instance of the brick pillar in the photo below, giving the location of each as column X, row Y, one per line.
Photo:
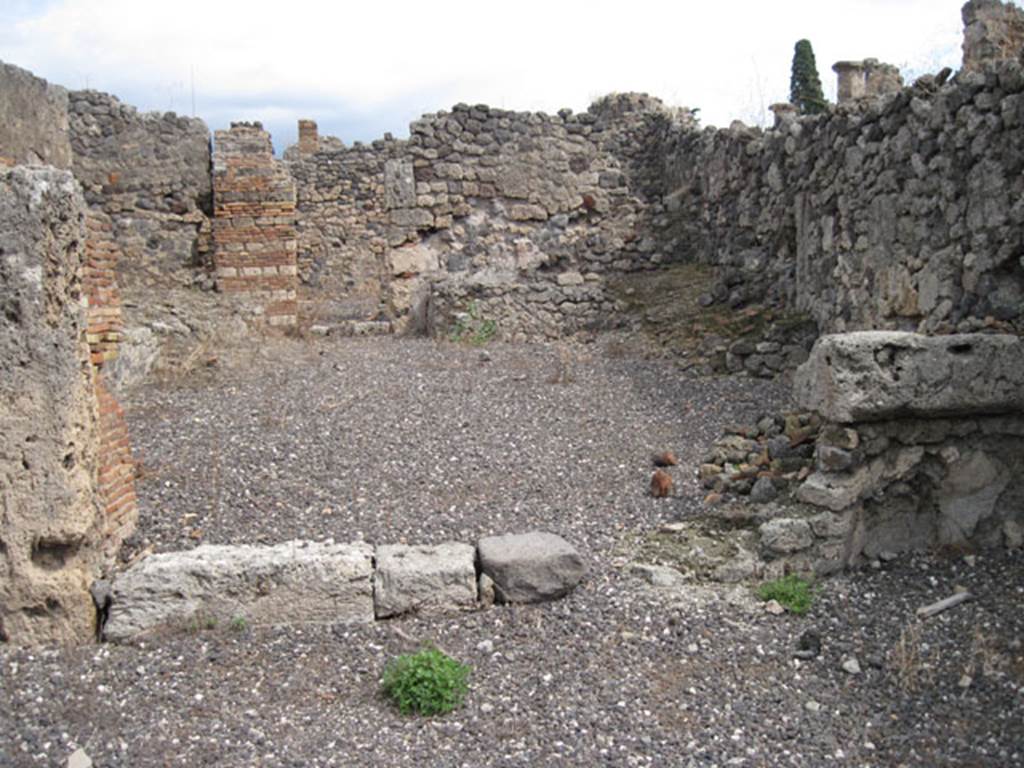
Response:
column 254, row 224
column 851, row 81
column 116, row 477
column 309, row 139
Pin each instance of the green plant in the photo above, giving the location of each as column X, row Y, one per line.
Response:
column 791, row 592
column 471, row 327
column 201, row 620
column 426, row 683
column 804, row 84
column 239, row 624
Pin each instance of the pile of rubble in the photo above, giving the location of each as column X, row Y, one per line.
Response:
column 762, row 461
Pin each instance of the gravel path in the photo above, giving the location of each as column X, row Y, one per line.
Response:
column 393, row 440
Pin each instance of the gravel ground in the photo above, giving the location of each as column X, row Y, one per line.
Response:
column 398, row 440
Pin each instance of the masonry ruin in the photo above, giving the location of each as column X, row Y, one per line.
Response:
column 898, row 210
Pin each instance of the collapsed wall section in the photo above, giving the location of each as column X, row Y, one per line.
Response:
column 254, row 225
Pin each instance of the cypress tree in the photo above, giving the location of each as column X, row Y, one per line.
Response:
column 804, row 84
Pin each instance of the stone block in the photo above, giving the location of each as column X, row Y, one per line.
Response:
column 879, row 375
column 298, row 582
column 530, row 567
column 784, row 536
column 412, row 260
column 424, row 579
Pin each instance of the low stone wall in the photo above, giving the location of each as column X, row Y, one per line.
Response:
column 303, row 582
column 908, row 443
column 925, row 439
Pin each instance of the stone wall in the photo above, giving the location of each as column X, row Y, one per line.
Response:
column 993, row 31
column 33, row 120
column 254, row 225
column 342, row 226
column 516, row 211
column 899, row 213
column 151, row 174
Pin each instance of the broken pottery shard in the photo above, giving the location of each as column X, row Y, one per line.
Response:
column 425, row 579
column 298, row 582
column 530, row 567
column 875, row 375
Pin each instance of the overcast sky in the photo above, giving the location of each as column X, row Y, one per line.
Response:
column 364, row 68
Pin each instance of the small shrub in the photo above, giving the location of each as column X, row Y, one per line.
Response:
column 472, row 328
column 426, row 683
column 201, row 620
column 239, row 624
column 791, row 592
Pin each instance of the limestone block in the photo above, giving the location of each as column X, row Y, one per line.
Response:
column 530, row 567
column 968, row 495
column 783, row 536
column 877, row 375
column 49, row 513
column 838, row 491
column 412, row 259
column 424, row 579
column 292, row 583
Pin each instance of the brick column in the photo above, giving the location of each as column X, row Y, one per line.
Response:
column 309, row 139
column 116, row 477
column 254, row 223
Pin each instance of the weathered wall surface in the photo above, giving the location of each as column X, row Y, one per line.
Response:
column 993, row 31
column 342, row 227
column 33, row 120
column 51, row 524
column 896, row 213
column 151, row 174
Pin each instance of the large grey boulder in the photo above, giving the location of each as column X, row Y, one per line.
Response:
column 425, row 579
column 292, row 583
column 877, row 375
column 530, row 567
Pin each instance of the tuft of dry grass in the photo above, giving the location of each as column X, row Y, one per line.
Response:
column 907, row 662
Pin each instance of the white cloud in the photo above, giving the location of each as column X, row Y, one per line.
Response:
column 725, row 58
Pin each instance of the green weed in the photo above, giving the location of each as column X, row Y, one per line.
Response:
column 426, row 683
